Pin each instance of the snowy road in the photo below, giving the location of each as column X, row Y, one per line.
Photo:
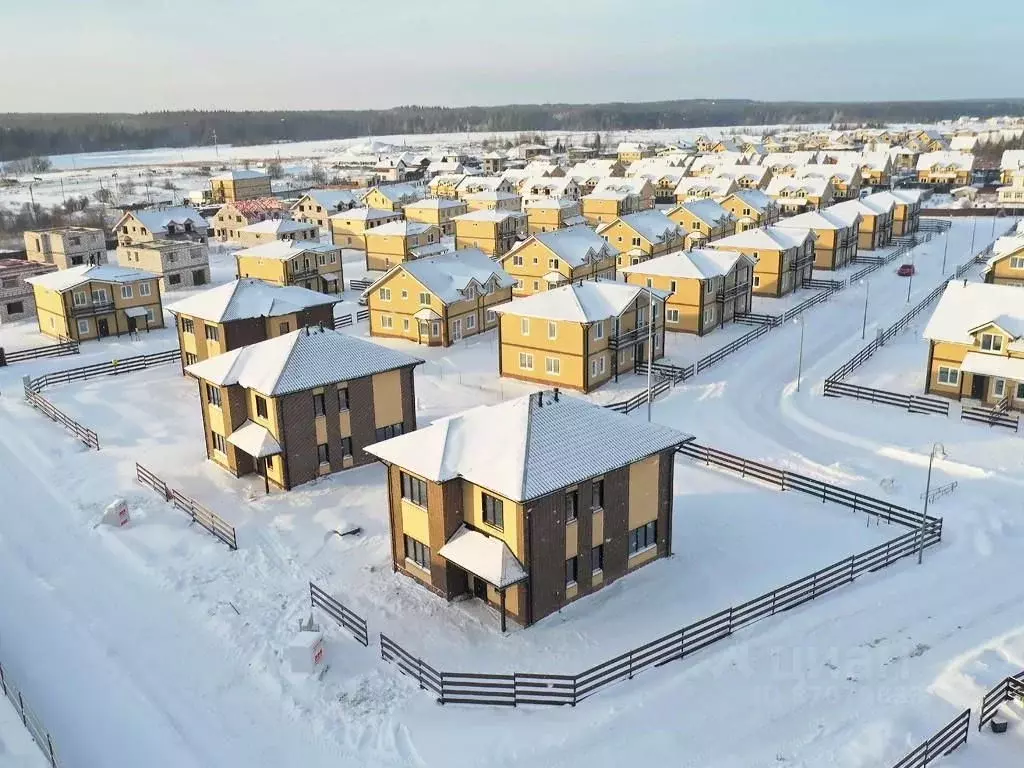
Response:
column 124, row 675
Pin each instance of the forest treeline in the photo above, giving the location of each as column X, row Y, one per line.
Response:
column 25, row 135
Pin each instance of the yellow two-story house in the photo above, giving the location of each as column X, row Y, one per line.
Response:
column 799, row 195
column 162, row 223
column 784, row 257
column 702, row 221
column 1006, row 264
column 436, row 211
column 836, row 235
column 318, row 205
column 93, row 302
column 445, row 185
column 493, row 232
column 439, row 300
column 349, row 228
column 549, row 259
column 242, row 184
column 975, row 345
column 580, row 335
column 641, row 236
column 706, row 288
column 751, row 208
column 244, row 312
column 392, row 197
column 228, row 223
column 271, row 230
column 525, row 529
column 399, row 241
column 493, row 200
column 312, row 265
column 303, row 405
column 704, row 188
column 876, row 218
column 945, row 169
column 546, row 214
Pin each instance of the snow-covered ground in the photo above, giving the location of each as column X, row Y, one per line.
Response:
column 17, row 749
column 185, row 639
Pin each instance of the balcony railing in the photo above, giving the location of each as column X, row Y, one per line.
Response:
column 629, row 338
column 309, row 271
column 801, row 261
column 93, row 308
column 727, row 294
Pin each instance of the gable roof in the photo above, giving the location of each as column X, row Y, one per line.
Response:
column 300, row 360
column 587, row 301
column 157, row 219
column 66, row 279
column 706, row 210
column 574, row 245
column 277, row 226
column 257, row 205
column 448, row 274
column 963, row 161
column 864, row 206
column 238, row 175
column 823, row 219
column 755, row 198
column 699, row 264
column 397, row 193
column 283, row 250
column 332, row 199
column 519, row 449
column 249, row 298
column 403, row 227
column 771, row 238
column 364, row 214
column 811, row 186
column 653, row 225
column 966, row 307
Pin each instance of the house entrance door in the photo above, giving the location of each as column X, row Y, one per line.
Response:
column 102, row 328
column 979, row 386
column 480, row 588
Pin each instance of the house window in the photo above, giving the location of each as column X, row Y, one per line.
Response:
column 571, row 568
column 83, row 326
column 144, row 289
column 81, row 299
column 709, row 287
column 99, row 296
column 190, row 358
column 150, row 315
column 1020, row 391
column 572, row 502
column 471, row 321
column 323, row 454
column 417, row 552
column 643, row 538
column 126, row 292
column 384, row 294
column 757, row 281
column 552, row 330
column 650, row 283
column 636, row 241
column 998, row 387
column 991, row 342
column 553, row 366
column 489, row 316
column 526, row 361
column 599, row 330
column 187, row 325
column 517, row 260
column 493, row 513
column 672, row 315
column 425, row 299
column 343, row 399
column 414, row 490
column 219, row 444
column 597, row 494
column 319, row 406
column 672, row 286
column 261, row 407
column 213, row 394
column 552, row 263
column 524, row 326
column 597, row 559
column 391, row 430
column 346, row 446
column 709, row 315
column 212, row 333
column 950, row 376
column 1017, row 262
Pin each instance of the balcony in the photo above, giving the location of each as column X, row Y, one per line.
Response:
column 298, row 272
column 93, row 308
column 801, row 261
column 728, row 294
column 629, row 338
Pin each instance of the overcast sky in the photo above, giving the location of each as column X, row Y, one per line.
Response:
column 135, row 55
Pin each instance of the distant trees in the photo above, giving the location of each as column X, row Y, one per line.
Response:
column 26, row 165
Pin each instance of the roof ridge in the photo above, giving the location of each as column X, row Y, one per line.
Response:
column 284, row 365
column 231, row 298
column 526, row 442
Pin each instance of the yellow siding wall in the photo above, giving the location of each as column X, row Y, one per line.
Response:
column 387, row 398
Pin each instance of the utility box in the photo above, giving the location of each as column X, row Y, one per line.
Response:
column 116, row 514
column 305, row 653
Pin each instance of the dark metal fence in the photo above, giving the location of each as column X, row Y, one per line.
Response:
column 211, row 521
column 64, row 347
column 28, row 718
column 359, row 285
column 342, row 615
column 942, row 743
column 990, row 417
column 52, row 412
column 911, row 403
column 1007, row 689
column 108, row 368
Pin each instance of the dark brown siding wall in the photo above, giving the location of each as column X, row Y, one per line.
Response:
column 616, row 523
column 445, row 517
column 666, row 486
column 361, row 416
column 316, row 316
column 242, row 333
column 237, row 413
column 408, row 398
column 584, row 532
column 546, row 542
column 299, row 430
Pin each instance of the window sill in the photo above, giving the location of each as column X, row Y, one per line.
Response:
column 571, row 585
column 416, row 504
column 571, row 520
column 417, row 566
column 499, row 528
column 648, row 548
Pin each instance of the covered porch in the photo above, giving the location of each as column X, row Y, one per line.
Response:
column 994, row 380
column 256, row 442
column 487, row 562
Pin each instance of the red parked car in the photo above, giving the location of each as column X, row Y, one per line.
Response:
column 905, row 270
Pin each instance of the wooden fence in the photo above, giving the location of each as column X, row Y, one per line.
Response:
column 28, row 718
column 342, row 615
column 346, row 321
column 942, row 743
column 1007, row 689
column 108, row 368
column 64, row 347
column 990, row 417
column 52, row 412
column 910, row 403
column 359, row 285
column 211, row 521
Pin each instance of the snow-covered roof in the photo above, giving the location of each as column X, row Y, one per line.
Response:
column 587, row 301
column 403, row 227
column 780, row 159
column 845, row 173
column 528, row 447
column 255, row 440
column 740, row 171
column 823, row 219
column 363, row 214
column 277, row 226
column 561, row 203
column 447, row 275
column 550, row 186
column 282, row 250
column 446, row 178
column 485, row 215
column 755, row 198
column 707, row 211
column 897, row 196
column 698, row 264
column 963, row 161
column 771, row 238
column 574, row 245
column 1012, row 160
column 248, row 298
column 300, row 360
column 810, row 186
column 66, row 279
column 332, row 199
column 652, row 225
column 721, row 185
column 435, row 203
column 997, row 365
column 490, row 195
column 480, row 182
column 486, row 557
column 238, row 175
column 398, row 193
column 430, row 249
column 157, row 219
column 865, row 206
column 965, row 307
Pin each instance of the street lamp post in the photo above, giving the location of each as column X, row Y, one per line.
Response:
column 974, row 232
column 945, row 250
column 864, row 325
column 32, row 197
column 910, row 283
column 650, row 349
column 800, row 354
column 937, row 450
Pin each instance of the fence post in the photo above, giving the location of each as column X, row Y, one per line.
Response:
column 21, row 705
column 441, row 700
column 630, row 665
column 3, row 682
column 419, row 672
column 575, row 683
column 853, row 563
column 49, row 747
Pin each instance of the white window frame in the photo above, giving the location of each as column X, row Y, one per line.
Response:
column 599, row 329
column 126, row 292
column 999, row 388
column 145, row 289
column 525, row 361
column 757, row 281
column 80, row 298
column 490, row 316
column 948, row 376
column 552, row 330
column 709, row 315
column 995, row 342
column 384, row 294
column 524, row 326
column 83, row 325
column 553, row 366
column 387, row 321
column 672, row 315
column 435, row 328
column 470, row 322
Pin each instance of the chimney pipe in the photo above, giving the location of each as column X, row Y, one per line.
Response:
column 540, row 399
column 556, row 394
